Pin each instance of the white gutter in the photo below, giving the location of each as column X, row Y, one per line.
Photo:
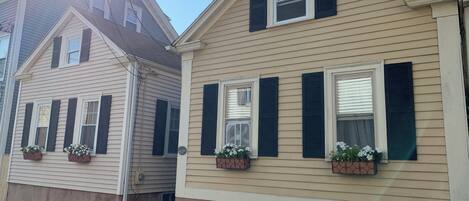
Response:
column 132, row 119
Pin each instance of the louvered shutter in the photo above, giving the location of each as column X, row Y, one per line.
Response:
column 28, row 113
column 257, row 15
column 209, row 119
column 268, row 117
column 53, row 125
column 85, row 45
column 70, row 124
column 325, row 8
column 400, row 112
column 56, row 52
column 313, row 115
column 160, row 127
column 103, row 125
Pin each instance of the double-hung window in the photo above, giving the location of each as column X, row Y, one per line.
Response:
column 172, row 134
column 286, row 11
column 356, row 106
column 4, row 46
column 87, row 128
column 40, row 123
column 133, row 17
column 72, row 47
column 238, row 119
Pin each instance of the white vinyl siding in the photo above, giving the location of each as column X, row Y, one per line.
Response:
column 365, row 30
column 54, row 171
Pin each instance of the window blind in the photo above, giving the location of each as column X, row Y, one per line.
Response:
column 354, row 95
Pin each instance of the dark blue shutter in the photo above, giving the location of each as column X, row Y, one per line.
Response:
column 56, row 52
column 313, row 115
column 209, row 120
column 159, row 133
column 325, row 8
column 70, row 124
column 28, row 113
column 85, row 46
column 400, row 113
column 257, row 15
column 53, row 125
column 268, row 117
column 103, row 125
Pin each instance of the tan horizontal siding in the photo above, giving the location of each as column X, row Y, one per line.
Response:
column 160, row 172
column 363, row 30
column 98, row 76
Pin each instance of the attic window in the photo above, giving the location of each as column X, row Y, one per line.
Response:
column 133, row 17
column 289, row 11
column 4, row 44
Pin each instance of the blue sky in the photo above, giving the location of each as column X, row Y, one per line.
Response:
column 183, row 12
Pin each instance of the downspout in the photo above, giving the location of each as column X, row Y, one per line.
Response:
column 134, row 97
column 464, row 51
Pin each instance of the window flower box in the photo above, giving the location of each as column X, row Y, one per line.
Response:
column 234, row 163
column 79, row 159
column 233, row 157
column 32, row 153
column 78, row 153
column 354, row 168
column 354, row 160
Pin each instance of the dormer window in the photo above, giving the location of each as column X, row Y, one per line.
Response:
column 100, row 7
column 133, row 17
column 288, row 11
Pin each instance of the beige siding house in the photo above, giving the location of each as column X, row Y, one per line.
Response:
column 308, row 50
column 96, row 83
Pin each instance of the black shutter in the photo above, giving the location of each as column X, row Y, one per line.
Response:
column 28, row 113
column 160, row 127
column 313, row 115
column 70, row 124
column 400, row 113
column 56, row 52
column 325, row 8
column 53, row 124
column 268, row 117
column 257, row 15
column 85, row 45
column 209, row 120
column 103, row 125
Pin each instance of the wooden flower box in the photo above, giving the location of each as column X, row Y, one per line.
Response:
column 79, row 159
column 354, row 168
column 35, row 156
column 234, row 163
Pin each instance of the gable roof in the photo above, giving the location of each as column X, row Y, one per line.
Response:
column 121, row 40
column 205, row 20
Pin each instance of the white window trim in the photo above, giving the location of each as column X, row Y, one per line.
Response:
column 35, row 119
column 171, row 105
column 64, row 49
column 107, row 10
column 139, row 11
column 379, row 103
column 5, row 34
column 272, row 14
column 254, row 114
column 79, row 119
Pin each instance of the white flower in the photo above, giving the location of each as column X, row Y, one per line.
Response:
column 369, row 157
column 342, row 145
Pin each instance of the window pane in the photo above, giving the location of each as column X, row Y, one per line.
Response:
column 41, row 135
column 238, row 132
column 131, row 15
column 4, row 43
column 236, row 109
column 174, row 124
column 88, row 135
column 173, row 142
column 44, row 112
column 91, row 113
column 354, row 95
column 290, row 9
column 73, row 58
column 74, row 45
column 3, row 64
column 356, row 131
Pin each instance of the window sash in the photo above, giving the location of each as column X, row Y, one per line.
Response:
column 89, row 123
column 132, row 15
column 4, row 46
column 238, row 114
column 278, row 4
